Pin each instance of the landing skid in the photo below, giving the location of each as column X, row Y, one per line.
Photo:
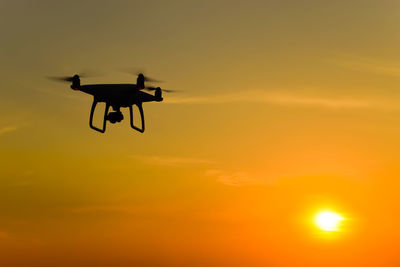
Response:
column 141, row 117
column 105, row 118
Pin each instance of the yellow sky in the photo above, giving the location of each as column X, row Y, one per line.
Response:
column 289, row 108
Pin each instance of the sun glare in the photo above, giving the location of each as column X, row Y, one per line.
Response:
column 328, row 221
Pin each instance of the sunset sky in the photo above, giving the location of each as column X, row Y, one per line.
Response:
column 288, row 108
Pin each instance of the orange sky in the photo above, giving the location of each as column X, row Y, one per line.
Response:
column 289, row 108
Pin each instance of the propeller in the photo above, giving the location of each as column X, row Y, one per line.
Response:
column 151, row 80
column 151, row 88
column 147, row 78
column 63, row 78
column 86, row 74
column 137, row 72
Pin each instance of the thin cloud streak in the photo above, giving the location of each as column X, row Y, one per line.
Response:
column 105, row 208
column 367, row 65
column 171, row 161
column 8, row 129
column 264, row 97
column 233, row 178
column 140, row 210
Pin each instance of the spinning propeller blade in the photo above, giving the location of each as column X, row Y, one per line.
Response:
column 61, row 78
column 137, row 72
column 86, row 74
column 151, row 88
column 151, row 80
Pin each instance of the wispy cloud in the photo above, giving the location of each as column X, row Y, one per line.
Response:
column 105, row 209
column 233, row 178
column 7, row 129
column 170, row 161
column 119, row 208
column 260, row 96
column 368, row 65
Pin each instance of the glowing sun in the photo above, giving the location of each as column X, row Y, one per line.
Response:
column 328, row 221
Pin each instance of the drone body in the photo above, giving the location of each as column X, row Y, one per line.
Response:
column 117, row 96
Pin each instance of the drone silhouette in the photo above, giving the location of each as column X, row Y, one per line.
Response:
column 117, row 96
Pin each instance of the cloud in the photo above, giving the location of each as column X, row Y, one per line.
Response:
column 141, row 210
column 7, row 129
column 233, row 178
column 367, row 65
column 264, row 97
column 171, row 161
column 105, row 209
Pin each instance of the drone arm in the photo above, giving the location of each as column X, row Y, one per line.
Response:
column 141, row 116
column 104, row 119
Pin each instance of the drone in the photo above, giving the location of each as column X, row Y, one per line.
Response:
column 117, row 96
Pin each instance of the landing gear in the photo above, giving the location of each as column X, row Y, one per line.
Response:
column 114, row 117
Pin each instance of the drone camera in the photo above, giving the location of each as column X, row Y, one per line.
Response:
column 114, row 117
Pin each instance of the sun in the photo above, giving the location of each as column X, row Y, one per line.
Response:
column 328, row 220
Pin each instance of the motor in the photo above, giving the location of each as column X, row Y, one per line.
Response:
column 76, row 82
column 158, row 94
